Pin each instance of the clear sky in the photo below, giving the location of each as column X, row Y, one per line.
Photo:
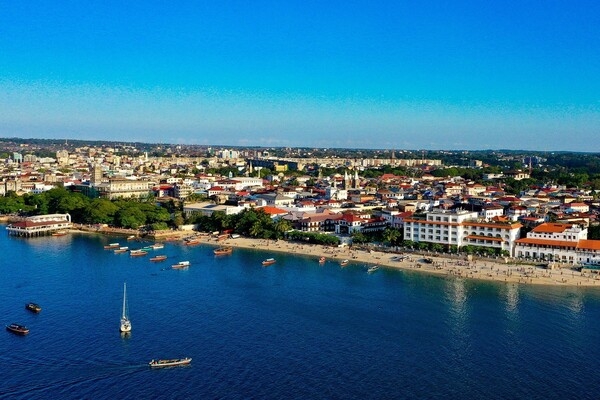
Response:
column 451, row 74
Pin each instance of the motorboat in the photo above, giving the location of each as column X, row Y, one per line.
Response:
column 33, row 307
column 17, row 329
column 223, row 250
column 181, row 265
column 269, row 261
column 170, row 363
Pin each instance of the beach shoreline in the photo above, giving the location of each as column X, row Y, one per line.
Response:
column 481, row 269
column 495, row 270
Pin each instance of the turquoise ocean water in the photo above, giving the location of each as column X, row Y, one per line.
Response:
column 293, row 330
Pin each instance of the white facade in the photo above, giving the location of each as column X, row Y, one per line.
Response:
column 461, row 228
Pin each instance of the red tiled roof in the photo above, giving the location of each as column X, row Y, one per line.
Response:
column 551, row 228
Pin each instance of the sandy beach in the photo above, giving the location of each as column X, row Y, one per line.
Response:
column 511, row 272
column 483, row 269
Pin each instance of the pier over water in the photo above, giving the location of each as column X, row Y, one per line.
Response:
column 40, row 225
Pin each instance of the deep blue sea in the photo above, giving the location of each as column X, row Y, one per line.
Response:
column 293, row 330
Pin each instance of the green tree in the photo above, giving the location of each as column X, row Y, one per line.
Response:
column 130, row 217
column 100, row 211
column 282, row 226
column 392, row 235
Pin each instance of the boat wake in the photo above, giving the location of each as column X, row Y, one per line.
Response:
column 79, row 384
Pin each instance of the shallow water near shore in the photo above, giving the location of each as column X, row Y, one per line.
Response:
column 295, row 329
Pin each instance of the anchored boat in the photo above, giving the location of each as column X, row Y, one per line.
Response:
column 125, row 322
column 33, row 307
column 17, row 329
column 223, row 250
column 269, row 261
column 181, row 265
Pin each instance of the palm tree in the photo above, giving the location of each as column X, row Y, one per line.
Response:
column 391, row 235
column 256, row 230
column 282, row 226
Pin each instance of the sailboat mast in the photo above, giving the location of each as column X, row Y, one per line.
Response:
column 124, row 297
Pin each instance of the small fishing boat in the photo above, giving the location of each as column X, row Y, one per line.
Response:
column 170, row 363
column 59, row 233
column 192, row 241
column 158, row 258
column 131, row 237
column 269, row 261
column 372, row 269
column 344, row 263
column 33, row 307
column 111, row 246
column 223, row 250
column 181, row 265
column 121, row 250
column 137, row 253
column 157, row 246
column 322, row 260
column 17, row 329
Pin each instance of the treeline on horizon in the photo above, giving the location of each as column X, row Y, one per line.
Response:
column 557, row 158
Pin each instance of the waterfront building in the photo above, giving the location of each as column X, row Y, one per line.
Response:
column 40, row 225
column 564, row 243
column 461, row 228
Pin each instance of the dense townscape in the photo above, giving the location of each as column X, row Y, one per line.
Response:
column 540, row 207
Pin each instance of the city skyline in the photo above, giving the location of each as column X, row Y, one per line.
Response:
column 305, row 74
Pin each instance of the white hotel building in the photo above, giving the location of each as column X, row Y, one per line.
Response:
column 554, row 242
column 462, row 228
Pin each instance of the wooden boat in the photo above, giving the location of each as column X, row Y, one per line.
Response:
column 344, row 263
column 181, row 265
column 372, row 269
column 111, row 246
column 137, row 253
column 121, row 250
column 322, row 260
column 158, row 258
column 131, row 237
column 59, row 233
column 147, row 248
column 17, row 329
column 33, row 307
column 170, row 363
column 193, row 241
column 125, row 322
column 157, row 246
column 269, row 261
column 223, row 250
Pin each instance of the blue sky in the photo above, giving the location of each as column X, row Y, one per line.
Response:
column 387, row 74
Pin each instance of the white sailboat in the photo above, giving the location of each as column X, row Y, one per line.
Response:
column 125, row 323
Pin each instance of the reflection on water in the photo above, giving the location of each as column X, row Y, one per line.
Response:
column 456, row 295
column 512, row 298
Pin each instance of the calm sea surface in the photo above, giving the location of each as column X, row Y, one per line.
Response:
column 293, row 330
